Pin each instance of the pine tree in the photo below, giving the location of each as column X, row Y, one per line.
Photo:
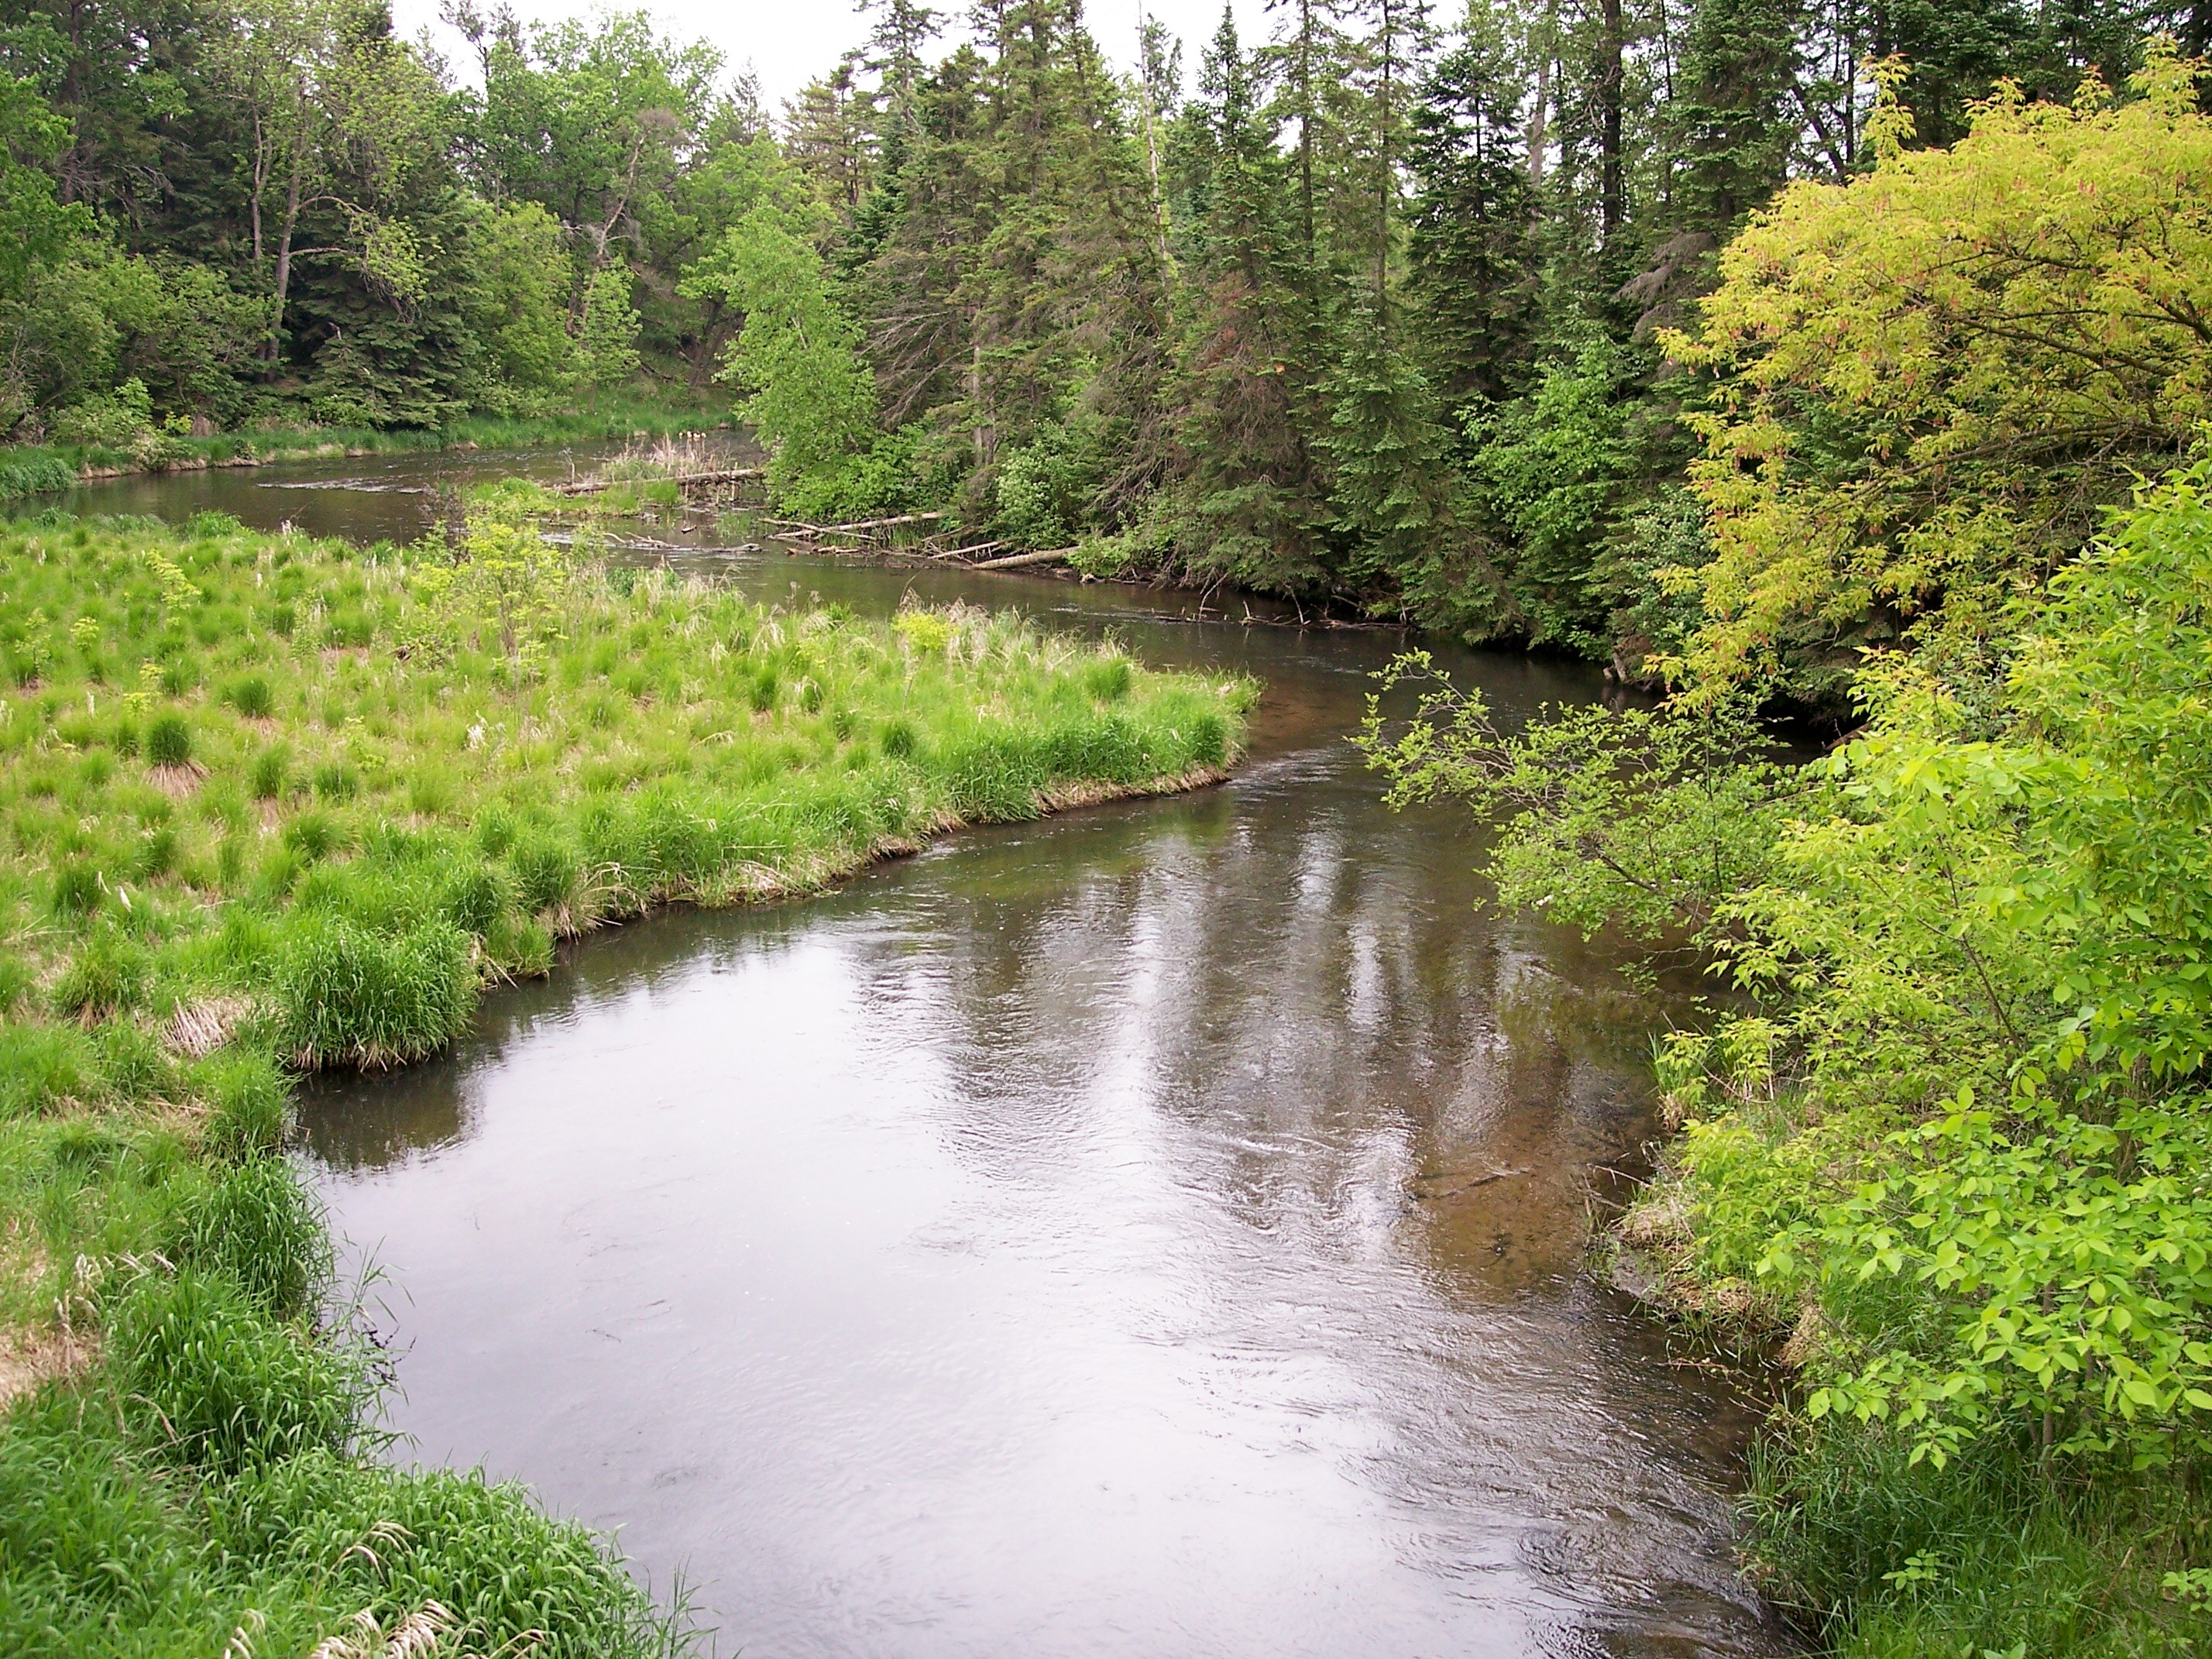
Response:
column 1251, row 507
column 1471, row 251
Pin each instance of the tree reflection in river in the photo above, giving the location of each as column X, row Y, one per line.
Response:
column 1154, row 1230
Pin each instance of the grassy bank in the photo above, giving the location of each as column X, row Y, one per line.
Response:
column 46, row 469
column 269, row 803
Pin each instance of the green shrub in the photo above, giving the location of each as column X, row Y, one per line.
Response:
column 346, row 996
column 169, row 740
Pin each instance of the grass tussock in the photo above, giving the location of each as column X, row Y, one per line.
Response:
column 267, row 802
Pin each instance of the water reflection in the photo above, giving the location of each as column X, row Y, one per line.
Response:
column 1153, row 1231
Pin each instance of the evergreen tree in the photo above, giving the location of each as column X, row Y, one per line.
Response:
column 1471, row 251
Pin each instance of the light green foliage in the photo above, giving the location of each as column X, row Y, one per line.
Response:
column 1634, row 817
column 1995, row 959
column 605, row 350
column 798, row 360
column 1932, row 378
column 517, row 305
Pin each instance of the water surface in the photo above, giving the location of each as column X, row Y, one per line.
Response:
column 1154, row 1230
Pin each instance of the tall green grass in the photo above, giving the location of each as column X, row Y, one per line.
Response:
column 1882, row 1558
column 266, row 803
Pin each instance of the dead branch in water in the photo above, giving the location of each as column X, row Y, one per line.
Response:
column 592, row 486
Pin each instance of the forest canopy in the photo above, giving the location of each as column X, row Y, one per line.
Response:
column 1470, row 319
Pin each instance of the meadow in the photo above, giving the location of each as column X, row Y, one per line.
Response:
column 269, row 803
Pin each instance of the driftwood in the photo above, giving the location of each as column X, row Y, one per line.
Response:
column 1056, row 556
column 876, row 523
column 591, row 486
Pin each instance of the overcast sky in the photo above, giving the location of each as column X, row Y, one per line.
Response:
column 788, row 42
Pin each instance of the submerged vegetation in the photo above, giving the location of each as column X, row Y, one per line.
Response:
column 272, row 804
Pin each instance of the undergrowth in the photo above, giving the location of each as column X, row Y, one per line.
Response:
column 268, row 803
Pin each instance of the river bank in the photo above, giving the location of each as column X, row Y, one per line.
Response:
column 28, row 470
column 276, row 805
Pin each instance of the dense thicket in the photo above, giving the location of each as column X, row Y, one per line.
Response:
column 279, row 212
column 1952, row 1134
column 1370, row 312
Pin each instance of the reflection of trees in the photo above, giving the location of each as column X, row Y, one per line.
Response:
column 1290, row 998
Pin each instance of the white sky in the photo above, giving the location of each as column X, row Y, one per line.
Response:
column 789, row 42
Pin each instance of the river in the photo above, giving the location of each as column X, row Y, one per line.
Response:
column 1154, row 1230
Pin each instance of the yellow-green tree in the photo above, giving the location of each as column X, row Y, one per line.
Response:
column 1930, row 382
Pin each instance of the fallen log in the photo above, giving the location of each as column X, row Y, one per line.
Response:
column 590, row 486
column 881, row 524
column 1056, row 556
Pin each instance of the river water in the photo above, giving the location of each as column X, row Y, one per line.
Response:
column 1156, row 1231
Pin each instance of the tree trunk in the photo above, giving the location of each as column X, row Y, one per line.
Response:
column 1537, row 138
column 1611, row 202
column 284, row 250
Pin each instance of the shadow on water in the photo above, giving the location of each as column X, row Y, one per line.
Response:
column 1152, row 1231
